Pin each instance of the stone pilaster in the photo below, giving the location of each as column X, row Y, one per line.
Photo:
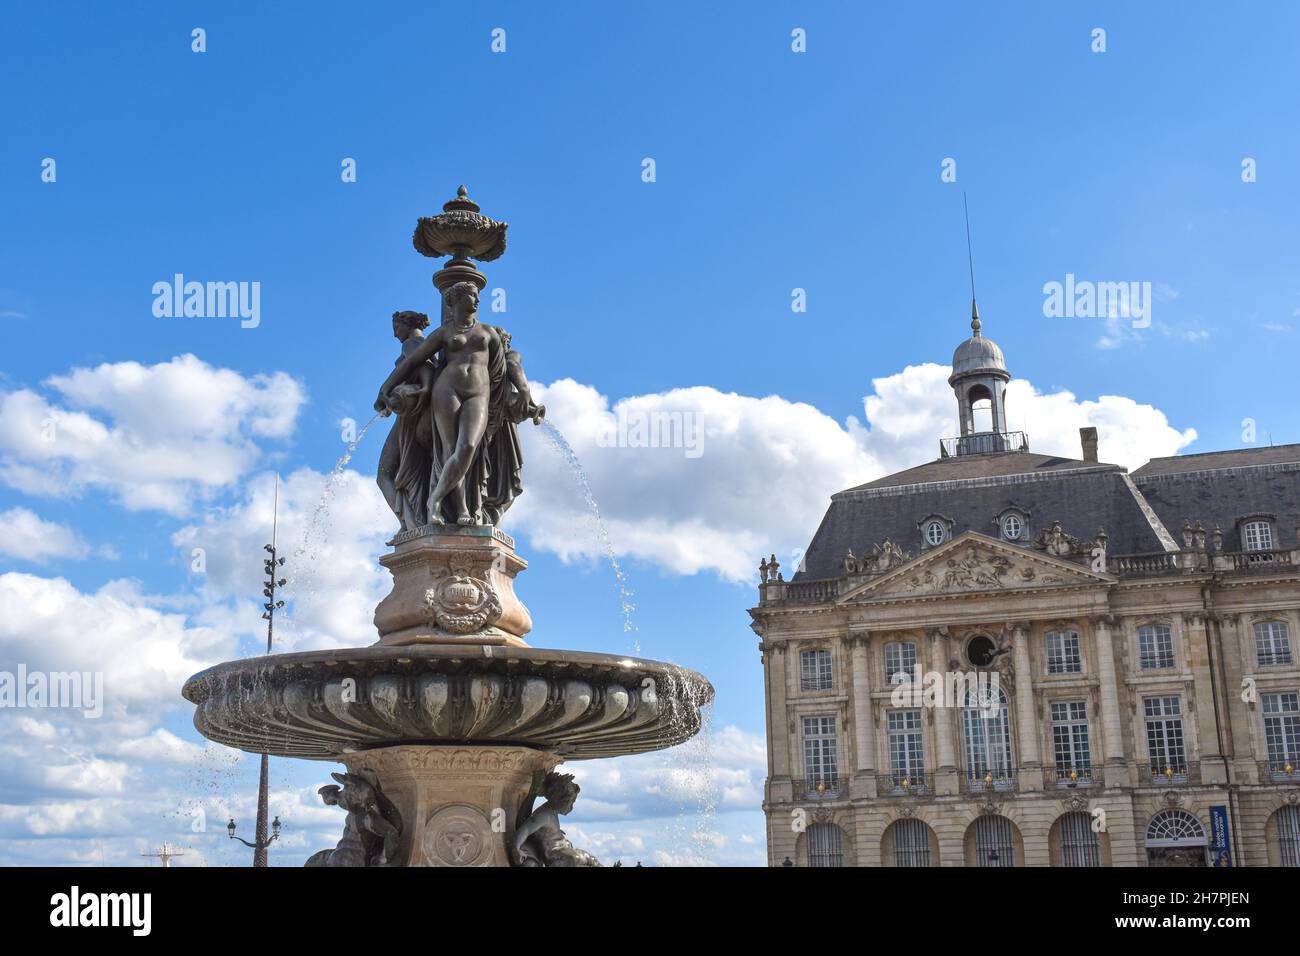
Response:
column 1030, row 764
column 1238, row 715
column 1196, row 633
column 777, row 684
column 945, row 778
column 1108, row 691
column 864, row 733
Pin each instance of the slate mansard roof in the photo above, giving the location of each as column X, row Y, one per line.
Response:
column 1141, row 513
column 1223, row 487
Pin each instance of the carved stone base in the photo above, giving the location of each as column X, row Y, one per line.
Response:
column 458, row 805
column 453, row 585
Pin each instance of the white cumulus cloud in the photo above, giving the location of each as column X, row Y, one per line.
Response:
column 760, row 473
column 154, row 437
column 27, row 536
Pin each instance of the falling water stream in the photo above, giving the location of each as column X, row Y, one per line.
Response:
column 303, row 568
column 557, row 441
column 690, row 782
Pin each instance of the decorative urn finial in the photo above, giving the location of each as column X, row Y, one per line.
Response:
column 462, row 232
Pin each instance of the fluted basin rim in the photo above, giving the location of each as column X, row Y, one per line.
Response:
column 576, row 703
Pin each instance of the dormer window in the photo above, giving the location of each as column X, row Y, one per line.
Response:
column 935, row 530
column 1013, row 525
column 1257, row 535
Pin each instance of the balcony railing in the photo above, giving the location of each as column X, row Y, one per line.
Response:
column 901, row 784
column 988, row 779
column 985, row 443
column 817, row 788
column 1279, row 770
column 1162, row 773
column 813, row 592
column 1073, row 777
column 1143, row 565
column 1254, row 560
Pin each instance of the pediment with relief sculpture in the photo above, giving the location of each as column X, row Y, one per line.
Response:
column 973, row 563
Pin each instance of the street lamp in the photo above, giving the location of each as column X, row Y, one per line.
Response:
column 260, row 845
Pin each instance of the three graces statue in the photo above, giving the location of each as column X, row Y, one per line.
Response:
column 459, row 392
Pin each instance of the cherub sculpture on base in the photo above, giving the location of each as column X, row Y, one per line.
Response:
column 538, row 839
column 373, row 825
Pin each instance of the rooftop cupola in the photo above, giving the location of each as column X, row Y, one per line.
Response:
column 979, row 380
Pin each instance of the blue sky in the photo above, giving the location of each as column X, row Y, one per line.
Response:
column 774, row 171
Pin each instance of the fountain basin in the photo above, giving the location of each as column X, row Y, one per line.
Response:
column 323, row 705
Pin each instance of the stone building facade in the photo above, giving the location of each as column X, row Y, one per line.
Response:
column 1002, row 658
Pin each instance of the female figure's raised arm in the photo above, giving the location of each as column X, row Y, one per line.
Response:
column 408, row 365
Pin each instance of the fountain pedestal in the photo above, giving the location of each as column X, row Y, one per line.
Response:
column 458, row 805
column 453, row 585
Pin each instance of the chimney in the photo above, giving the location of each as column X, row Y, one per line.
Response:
column 1088, row 437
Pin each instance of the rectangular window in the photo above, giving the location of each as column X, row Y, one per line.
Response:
column 1164, row 719
column 1259, row 535
column 900, row 662
column 906, row 748
column 1070, row 740
column 815, row 670
column 1272, row 643
column 1063, row 653
column 988, row 743
column 1282, row 731
column 820, row 761
column 1155, row 646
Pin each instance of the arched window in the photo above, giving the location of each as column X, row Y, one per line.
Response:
column 981, row 409
column 825, row 845
column 995, row 841
column 1079, row 843
column 1286, row 826
column 1012, row 526
column 912, row 841
column 935, row 532
column 986, row 727
column 1175, row 828
column 900, row 662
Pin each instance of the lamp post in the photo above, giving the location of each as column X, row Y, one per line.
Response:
column 271, row 565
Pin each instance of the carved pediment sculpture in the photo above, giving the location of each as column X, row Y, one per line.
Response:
column 969, row 563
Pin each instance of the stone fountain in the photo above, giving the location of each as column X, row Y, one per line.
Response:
column 450, row 726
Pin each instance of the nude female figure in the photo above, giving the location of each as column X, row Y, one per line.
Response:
column 460, row 395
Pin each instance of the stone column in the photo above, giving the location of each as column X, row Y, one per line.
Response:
column 1207, row 725
column 945, row 779
column 1108, row 691
column 864, row 733
column 1030, row 764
